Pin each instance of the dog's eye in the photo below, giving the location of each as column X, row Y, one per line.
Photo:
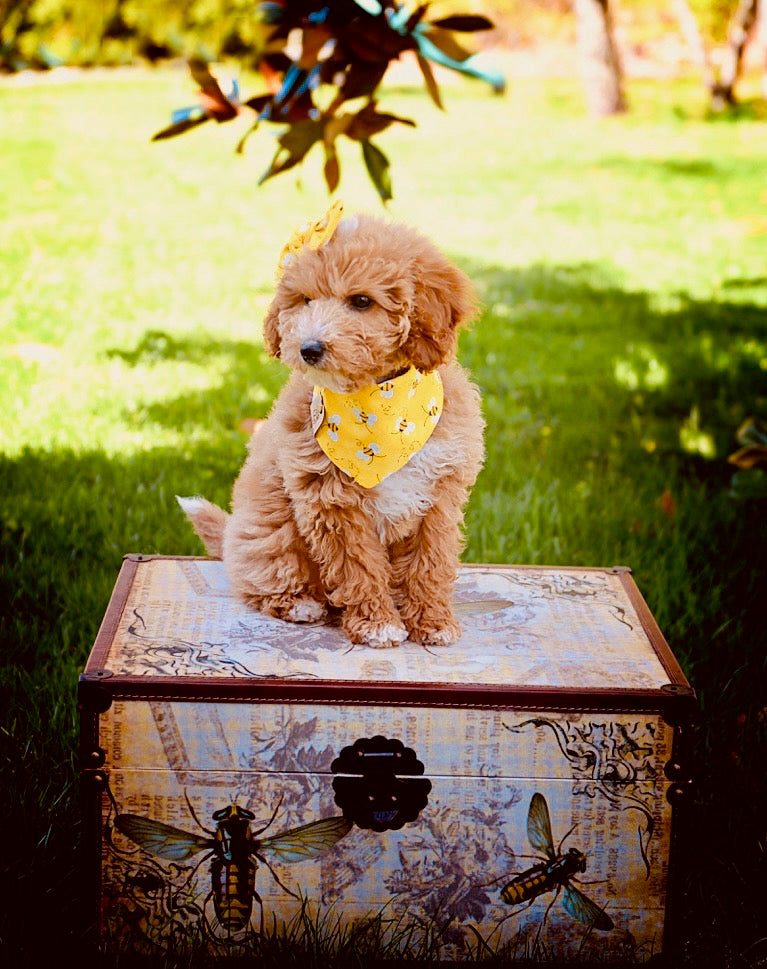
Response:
column 360, row 302
column 307, row 300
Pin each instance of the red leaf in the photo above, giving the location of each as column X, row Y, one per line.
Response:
column 213, row 99
column 332, row 170
column 373, row 40
column 667, row 504
column 272, row 68
column 259, row 102
column 314, row 39
column 368, row 122
column 361, row 79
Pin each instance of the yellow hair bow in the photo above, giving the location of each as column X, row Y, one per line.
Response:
column 313, row 235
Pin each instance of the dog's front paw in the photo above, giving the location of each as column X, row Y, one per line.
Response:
column 291, row 608
column 378, row 635
column 306, row 609
column 386, row 636
column 426, row 633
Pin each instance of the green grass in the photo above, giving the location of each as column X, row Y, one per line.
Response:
column 621, row 266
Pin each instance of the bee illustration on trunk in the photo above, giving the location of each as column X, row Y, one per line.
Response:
column 235, row 849
column 553, row 873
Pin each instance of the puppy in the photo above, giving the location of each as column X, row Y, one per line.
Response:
column 353, row 490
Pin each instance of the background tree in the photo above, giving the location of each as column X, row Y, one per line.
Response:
column 728, row 24
column 760, row 39
column 741, row 24
column 598, row 54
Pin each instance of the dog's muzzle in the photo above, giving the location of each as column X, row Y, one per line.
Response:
column 312, row 352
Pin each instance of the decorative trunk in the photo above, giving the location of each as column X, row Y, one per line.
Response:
column 236, row 767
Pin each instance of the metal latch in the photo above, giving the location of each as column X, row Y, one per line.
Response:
column 378, row 784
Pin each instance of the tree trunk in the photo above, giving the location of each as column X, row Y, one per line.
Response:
column 737, row 34
column 691, row 32
column 599, row 58
column 721, row 83
column 760, row 39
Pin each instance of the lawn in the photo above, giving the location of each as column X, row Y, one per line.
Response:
column 623, row 339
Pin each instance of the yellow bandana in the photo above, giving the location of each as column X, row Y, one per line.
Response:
column 375, row 431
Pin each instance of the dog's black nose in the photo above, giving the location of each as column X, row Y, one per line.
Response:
column 312, row 351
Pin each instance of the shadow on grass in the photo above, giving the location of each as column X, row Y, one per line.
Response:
column 647, row 168
column 250, row 380
column 586, row 390
column 66, row 521
column 693, row 167
column 750, row 109
column 576, row 372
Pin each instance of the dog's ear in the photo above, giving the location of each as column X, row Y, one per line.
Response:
column 271, row 330
column 443, row 300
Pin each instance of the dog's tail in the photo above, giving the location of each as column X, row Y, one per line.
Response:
column 208, row 520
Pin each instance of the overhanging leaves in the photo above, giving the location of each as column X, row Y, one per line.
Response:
column 294, row 146
column 347, row 46
column 332, row 169
column 179, row 128
column 369, row 122
column 431, row 83
column 445, row 42
column 378, row 168
column 464, row 23
column 213, row 100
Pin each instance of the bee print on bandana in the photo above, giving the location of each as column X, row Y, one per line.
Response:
column 403, row 426
column 334, row 425
column 362, row 417
column 414, row 385
column 432, row 411
column 368, row 452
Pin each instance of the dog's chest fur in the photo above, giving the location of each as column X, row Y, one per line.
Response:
column 406, row 495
